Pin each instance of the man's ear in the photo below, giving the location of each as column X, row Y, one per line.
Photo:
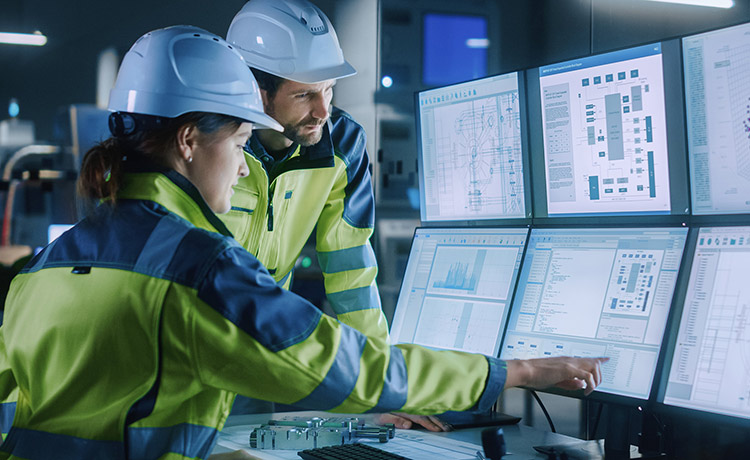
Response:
column 187, row 138
column 264, row 97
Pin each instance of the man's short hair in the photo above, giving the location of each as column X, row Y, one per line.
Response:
column 267, row 82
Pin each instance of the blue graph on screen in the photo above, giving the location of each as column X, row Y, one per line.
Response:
column 458, row 277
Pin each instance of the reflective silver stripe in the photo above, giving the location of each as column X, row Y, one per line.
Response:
column 341, row 377
column 396, row 385
column 347, row 259
column 363, row 298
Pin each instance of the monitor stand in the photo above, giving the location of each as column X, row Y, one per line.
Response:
column 459, row 420
column 614, row 446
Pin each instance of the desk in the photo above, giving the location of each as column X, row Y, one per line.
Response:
column 519, row 439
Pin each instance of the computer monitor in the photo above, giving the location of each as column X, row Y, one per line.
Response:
column 454, row 48
column 707, row 365
column 717, row 98
column 611, row 128
column 457, row 288
column 597, row 292
column 471, row 151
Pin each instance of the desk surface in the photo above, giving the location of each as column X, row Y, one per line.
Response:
column 519, row 439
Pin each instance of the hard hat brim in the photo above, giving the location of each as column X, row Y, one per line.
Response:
column 319, row 75
column 262, row 121
column 172, row 106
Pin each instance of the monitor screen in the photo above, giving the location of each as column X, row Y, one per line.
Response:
column 710, row 364
column 470, row 151
column 606, row 124
column 457, row 288
column 597, row 292
column 454, row 48
column 717, row 102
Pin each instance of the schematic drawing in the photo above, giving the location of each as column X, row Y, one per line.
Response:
column 480, row 151
column 738, row 84
column 726, row 338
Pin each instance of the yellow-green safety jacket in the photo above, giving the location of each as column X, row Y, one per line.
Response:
column 130, row 335
column 328, row 185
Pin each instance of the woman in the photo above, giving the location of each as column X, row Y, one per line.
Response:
column 131, row 334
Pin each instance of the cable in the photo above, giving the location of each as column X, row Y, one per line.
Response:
column 544, row 409
column 596, row 421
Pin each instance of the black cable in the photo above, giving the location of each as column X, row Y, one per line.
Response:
column 596, row 421
column 544, row 409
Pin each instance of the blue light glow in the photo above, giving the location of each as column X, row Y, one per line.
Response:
column 13, row 108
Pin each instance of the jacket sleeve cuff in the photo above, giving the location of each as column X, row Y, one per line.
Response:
column 498, row 371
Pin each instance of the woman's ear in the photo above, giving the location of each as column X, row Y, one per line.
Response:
column 187, row 139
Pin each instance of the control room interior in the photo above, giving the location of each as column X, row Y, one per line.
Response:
column 56, row 94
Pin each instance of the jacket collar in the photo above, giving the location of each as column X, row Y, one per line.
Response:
column 173, row 191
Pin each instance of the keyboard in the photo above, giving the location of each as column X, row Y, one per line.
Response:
column 356, row 451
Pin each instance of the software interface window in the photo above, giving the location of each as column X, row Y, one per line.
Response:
column 711, row 359
column 604, row 125
column 457, row 287
column 470, row 155
column 597, row 292
column 717, row 102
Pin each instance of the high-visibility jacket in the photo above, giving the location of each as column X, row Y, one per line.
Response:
column 326, row 187
column 130, row 335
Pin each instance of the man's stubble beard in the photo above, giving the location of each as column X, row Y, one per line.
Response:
column 293, row 131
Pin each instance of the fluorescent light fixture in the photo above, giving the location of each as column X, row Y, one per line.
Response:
column 477, row 43
column 35, row 39
column 711, row 3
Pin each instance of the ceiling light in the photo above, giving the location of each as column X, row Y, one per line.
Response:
column 711, row 3
column 35, row 39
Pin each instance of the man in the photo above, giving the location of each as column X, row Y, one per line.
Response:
column 315, row 175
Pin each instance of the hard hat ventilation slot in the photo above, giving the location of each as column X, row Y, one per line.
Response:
column 312, row 20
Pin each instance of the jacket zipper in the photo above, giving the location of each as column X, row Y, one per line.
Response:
column 270, row 210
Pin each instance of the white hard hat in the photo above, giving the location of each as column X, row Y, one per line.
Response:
column 181, row 69
column 292, row 39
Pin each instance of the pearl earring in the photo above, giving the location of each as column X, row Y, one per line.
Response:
column 189, row 159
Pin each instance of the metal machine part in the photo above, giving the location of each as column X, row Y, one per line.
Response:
column 300, row 434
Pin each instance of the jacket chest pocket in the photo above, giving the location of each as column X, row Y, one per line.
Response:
column 239, row 220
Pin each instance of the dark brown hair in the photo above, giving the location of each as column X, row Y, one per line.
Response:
column 101, row 168
column 267, row 82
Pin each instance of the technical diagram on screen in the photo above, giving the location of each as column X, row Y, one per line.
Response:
column 605, row 134
column 717, row 101
column 457, row 287
column 471, row 151
column 597, row 292
column 710, row 364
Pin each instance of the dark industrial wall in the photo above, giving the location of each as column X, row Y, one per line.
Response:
column 63, row 72
column 538, row 32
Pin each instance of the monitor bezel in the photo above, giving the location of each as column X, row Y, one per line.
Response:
column 525, row 161
column 514, row 282
column 671, row 52
column 599, row 396
column 666, row 354
column 707, row 217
